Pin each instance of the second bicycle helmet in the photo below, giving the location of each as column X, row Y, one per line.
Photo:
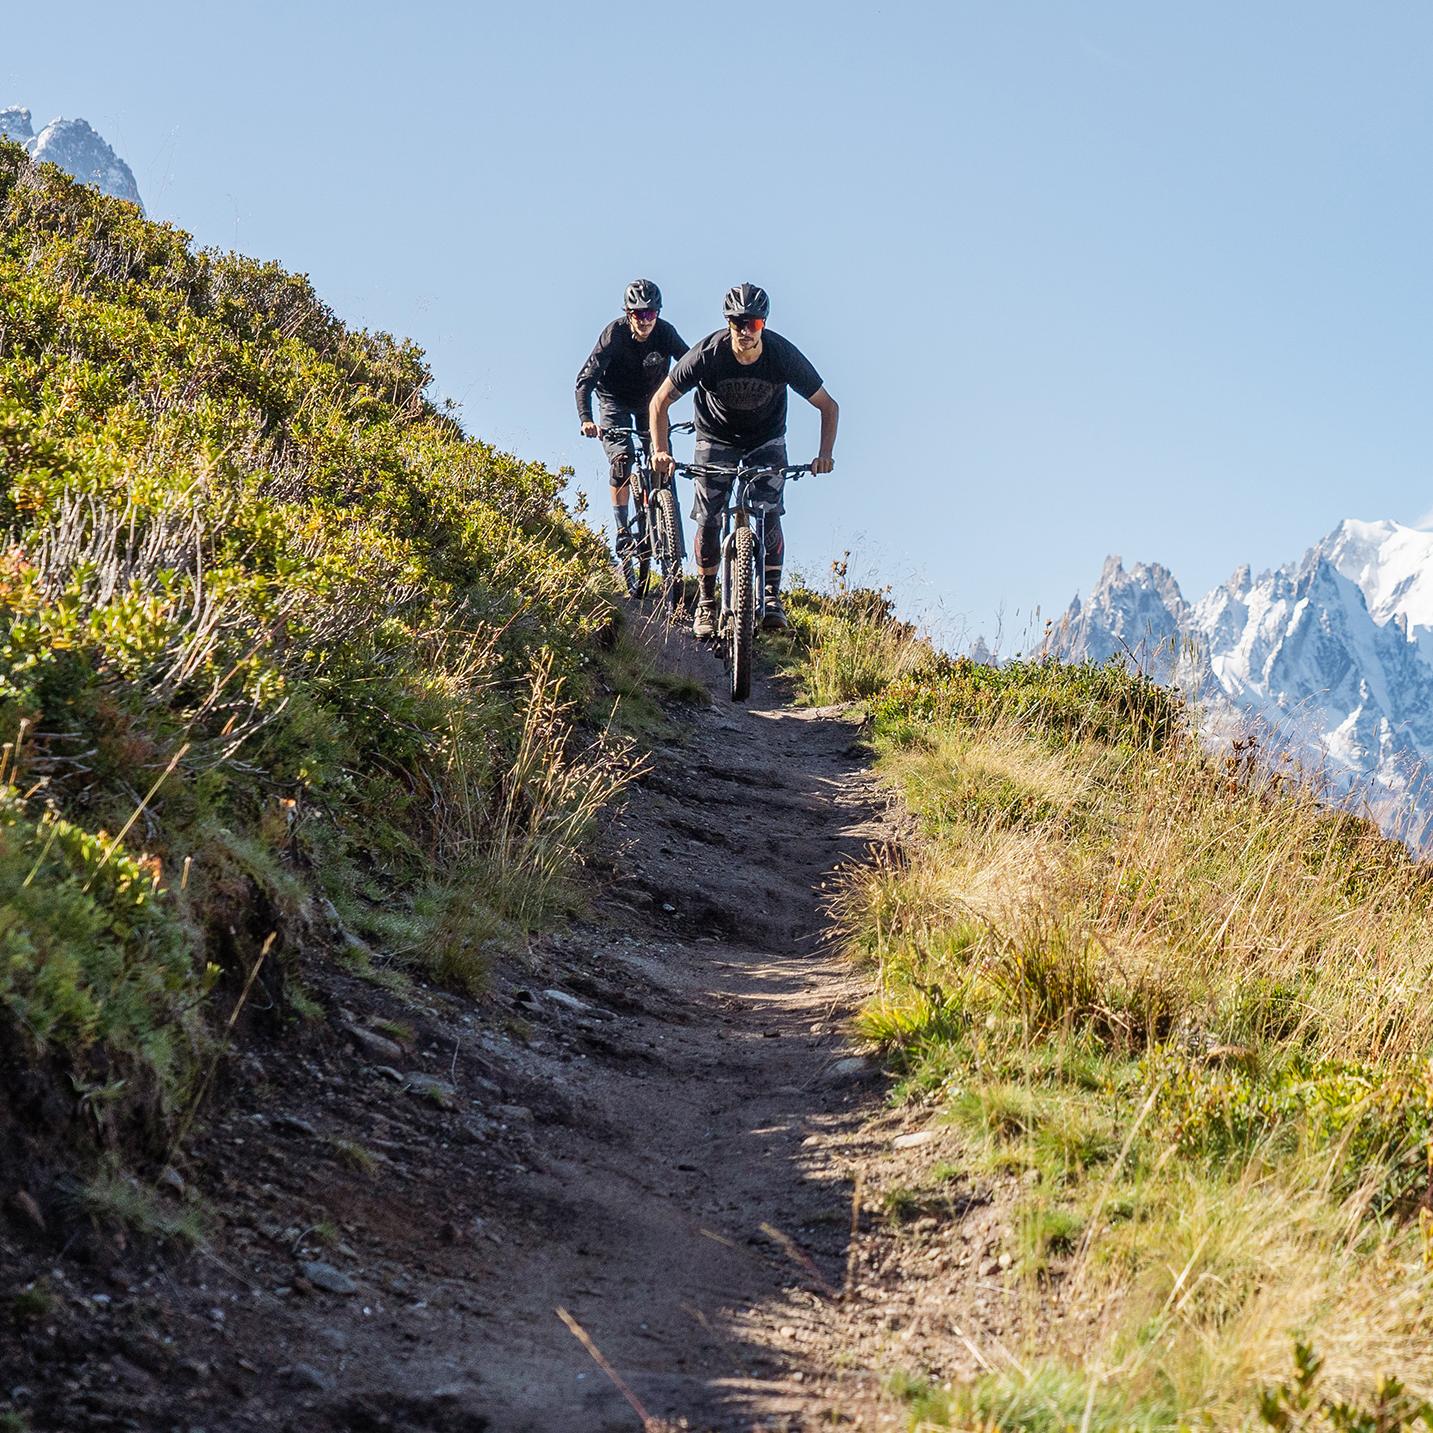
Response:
column 642, row 293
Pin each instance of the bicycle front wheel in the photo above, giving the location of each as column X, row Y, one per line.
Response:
column 642, row 553
column 669, row 549
column 743, row 611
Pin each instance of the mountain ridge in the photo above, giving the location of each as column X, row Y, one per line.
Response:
column 1333, row 653
column 77, row 147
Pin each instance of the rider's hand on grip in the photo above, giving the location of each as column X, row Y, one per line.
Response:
column 822, row 465
column 589, row 430
column 662, row 464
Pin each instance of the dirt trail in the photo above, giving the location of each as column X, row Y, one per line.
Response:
column 647, row 1131
column 693, row 1142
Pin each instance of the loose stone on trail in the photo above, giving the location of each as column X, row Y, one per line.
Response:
column 374, row 1045
column 561, row 997
column 326, row 1277
column 911, row 1141
column 431, row 1088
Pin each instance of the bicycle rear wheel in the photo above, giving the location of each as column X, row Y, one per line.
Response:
column 743, row 611
column 668, row 549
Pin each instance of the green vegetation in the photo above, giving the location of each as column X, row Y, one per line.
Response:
column 114, row 1198
column 1181, row 1008
column 279, row 647
column 33, row 1304
column 845, row 644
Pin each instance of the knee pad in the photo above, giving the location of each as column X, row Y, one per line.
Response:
column 708, row 545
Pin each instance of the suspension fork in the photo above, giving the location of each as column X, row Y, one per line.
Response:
column 728, row 552
column 740, row 518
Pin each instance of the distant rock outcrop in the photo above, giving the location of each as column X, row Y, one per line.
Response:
column 76, row 148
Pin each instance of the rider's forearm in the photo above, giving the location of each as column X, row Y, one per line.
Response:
column 830, row 414
column 660, row 424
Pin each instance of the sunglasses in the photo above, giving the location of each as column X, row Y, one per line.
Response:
column 747, row 325
column 644, row 315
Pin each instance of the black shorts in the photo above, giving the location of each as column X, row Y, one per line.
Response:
column 711, row 494
column 612, row 413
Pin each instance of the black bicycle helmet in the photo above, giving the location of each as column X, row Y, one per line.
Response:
column 746, row 301
column 642, row 293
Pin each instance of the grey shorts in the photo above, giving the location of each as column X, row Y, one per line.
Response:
column 711, row 494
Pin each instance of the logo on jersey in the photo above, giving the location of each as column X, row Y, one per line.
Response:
column 743, row 393
column 652, row 360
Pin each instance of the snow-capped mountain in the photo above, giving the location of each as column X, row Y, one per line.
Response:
column 1334, row 653
column 76, row 148
column 1137, row 615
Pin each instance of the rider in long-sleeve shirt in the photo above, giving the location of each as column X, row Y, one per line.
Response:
column 623, row 371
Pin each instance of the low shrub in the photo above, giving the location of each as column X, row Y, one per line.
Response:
column 276, row 637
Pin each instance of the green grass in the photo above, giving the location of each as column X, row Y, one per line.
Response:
column 1180, row 1007
column 844, row 645
column 353, row 1154
column 115, row 1198
column 33, row 1304
column 635, row 696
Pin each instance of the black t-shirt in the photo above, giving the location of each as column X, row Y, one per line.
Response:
column 743, row 405
column 627, row 370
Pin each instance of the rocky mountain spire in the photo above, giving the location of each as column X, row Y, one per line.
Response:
column 74, row 145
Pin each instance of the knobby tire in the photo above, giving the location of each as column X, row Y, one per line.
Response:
column 627, row 567
column 669, row 549
column 643, row 555
column 743, row 612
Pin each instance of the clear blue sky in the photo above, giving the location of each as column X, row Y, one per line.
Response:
column 1085, row 278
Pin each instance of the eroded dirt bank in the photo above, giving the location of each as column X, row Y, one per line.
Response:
column 646, row 1132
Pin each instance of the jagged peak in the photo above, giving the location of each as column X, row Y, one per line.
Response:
column 1343, row 632
column 81, row 128
column 15, row 123
column 1112, row 571
column 981, row 653
column 77, row 148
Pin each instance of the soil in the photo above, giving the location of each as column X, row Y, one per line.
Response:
column 642, row 1145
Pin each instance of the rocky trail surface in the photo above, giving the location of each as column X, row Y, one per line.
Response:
column 642, row 1150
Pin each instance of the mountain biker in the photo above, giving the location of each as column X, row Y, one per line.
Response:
column 741, row 374
column 624, row 369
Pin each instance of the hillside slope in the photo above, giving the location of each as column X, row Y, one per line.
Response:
column 285, row 664
column 645, row 1124
column 1160, row 1024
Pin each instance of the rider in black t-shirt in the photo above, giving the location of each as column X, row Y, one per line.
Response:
column 624, row 370
column 741, row 374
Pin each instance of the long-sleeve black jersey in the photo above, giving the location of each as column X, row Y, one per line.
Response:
column 627, row 370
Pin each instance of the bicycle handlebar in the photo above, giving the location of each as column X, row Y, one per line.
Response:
column 702, row 470
column 637, row 432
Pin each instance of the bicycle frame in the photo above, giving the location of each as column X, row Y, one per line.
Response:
column 644, row 480
column 741, row 508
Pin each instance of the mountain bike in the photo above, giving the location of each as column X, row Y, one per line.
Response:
column 654, row 537
column 743, row 564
